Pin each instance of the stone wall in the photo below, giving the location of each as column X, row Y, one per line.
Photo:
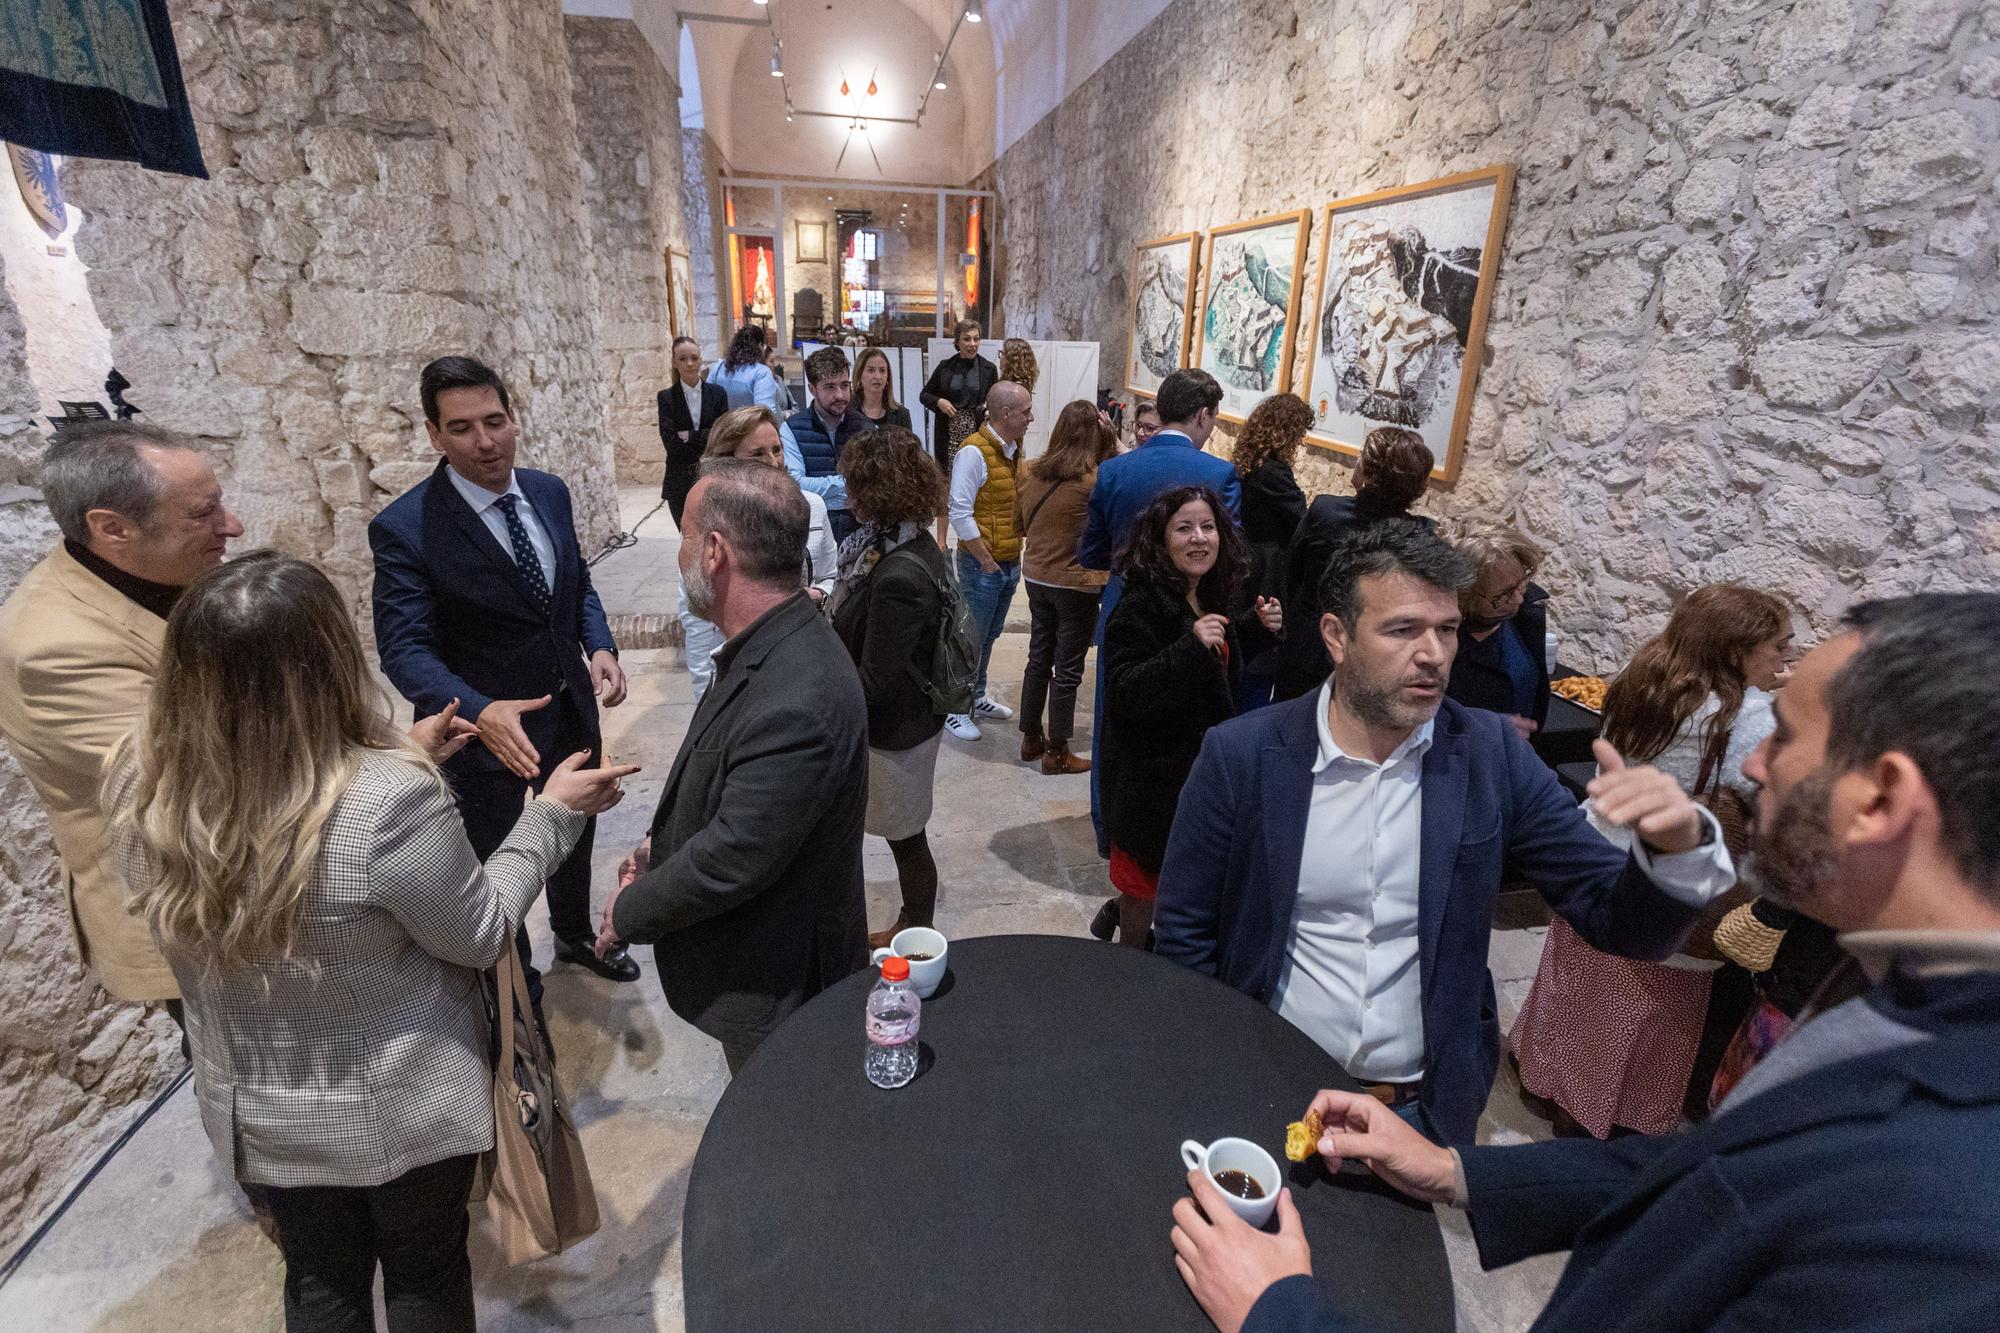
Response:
column 701, row 183
column 629, row 128
column 1744, row 321
column 392, row 181
column 72, row 1061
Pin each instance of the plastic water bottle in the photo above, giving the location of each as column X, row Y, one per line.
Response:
column 894, row 1012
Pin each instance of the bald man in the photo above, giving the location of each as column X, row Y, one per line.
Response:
column 984, row 474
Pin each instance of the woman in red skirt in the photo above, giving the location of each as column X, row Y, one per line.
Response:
column 1611, row 1041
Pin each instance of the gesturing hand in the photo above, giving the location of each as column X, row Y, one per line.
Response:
column 1645, row 800
column 1225, row 1261
column 945, row 406
column 607, row 678
column 1212, row 631
column 1271, row 614
column 500, row 731
column 443, row 734
column 629, row 870
column 587, row 791
column 1358, row 1126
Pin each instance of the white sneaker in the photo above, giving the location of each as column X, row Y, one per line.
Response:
column 988, row 706
column 961, row 726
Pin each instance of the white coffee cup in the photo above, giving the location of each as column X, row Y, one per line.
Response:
column 926, row 973
column 1237, row 1155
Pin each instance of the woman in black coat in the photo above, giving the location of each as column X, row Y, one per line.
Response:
column 1172, row 659
column 956, row 394
column 887, row 606
column 1273, row 508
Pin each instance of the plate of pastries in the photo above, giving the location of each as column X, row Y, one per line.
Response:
column 1583, row 691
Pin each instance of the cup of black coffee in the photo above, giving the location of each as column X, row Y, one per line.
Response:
column 1246, row 1175
column 925, row 949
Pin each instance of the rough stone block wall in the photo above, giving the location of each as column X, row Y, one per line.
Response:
column 72, row 1060
column 701, row 183
column 629, row 128
column 1744, row 322
column 391, row 181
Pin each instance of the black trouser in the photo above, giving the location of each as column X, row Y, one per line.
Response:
column 414, row 1226
column 1060, row 624
column 680, row 479
column 490, row 803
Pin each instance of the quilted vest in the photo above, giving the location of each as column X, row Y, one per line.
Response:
column 993, row 507
column 821, row 451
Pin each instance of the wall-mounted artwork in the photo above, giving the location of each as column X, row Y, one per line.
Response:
column 1405, row 281
column 1250, row 307
column 1163, row 292
column 680, row 293
column 41, row 190
column 809, row 239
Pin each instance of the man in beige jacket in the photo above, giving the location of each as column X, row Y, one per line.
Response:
column 142, row 517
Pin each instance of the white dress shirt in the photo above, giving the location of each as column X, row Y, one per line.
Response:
column 822, row 553
column 691, row 393
column 968, row 478
column 486, row 504
column 1352, row 979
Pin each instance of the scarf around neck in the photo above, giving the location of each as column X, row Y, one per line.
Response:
column 860, row 553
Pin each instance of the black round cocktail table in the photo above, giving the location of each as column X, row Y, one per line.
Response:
column 1025, row 1179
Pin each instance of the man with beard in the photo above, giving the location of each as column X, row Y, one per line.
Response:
column 749, row 886
column 1849, row 1181
column 1339, row 856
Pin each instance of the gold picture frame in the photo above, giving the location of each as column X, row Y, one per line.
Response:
column 809, row 242
column 1245, row 383
column 1382, row 355
column 680, row 293
column 1154, row 261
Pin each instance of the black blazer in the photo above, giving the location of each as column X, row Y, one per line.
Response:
column 1273, row 508
column 890, row 627
column 953, row 378
column 453, row 617
column 896, row 416
column 674, row 419
column 1302, row 660
column 1479, row 681
column 753, row 900
column 1163, row 690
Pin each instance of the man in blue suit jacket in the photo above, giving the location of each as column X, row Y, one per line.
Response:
column 1125, row 485
column 1339, row 856
column 1850, row 1181
column 482, row 596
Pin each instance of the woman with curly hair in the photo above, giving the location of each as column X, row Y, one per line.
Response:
column 1273, row 507
column 1172, row 657
column 743, row 374
column 887, row 606
column 1017, row 363
column 1610, row 1043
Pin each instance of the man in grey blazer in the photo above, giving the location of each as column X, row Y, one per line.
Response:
column 749, row 887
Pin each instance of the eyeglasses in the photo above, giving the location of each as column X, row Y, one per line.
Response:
column 1519, row 585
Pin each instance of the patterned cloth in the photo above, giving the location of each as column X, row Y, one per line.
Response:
column 859, row 554
column 524, row 554
column 96, row 78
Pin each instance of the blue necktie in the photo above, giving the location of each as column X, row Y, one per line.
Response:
column 524, row 554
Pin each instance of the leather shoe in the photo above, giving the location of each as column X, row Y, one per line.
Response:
column 616, row 965
column 1060, row 760
column 1105, row 924
column 1032, row 748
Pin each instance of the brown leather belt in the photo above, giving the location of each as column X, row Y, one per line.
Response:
column 1391, row 1094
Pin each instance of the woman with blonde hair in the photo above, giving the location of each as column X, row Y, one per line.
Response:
column 1502, row 663
column 875, row 390
column 310, row 883
column 1273, row 508
column 1050, row 506
column 1017, row 363
column 1611, row 1042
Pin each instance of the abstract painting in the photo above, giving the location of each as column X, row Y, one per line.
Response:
column 1249, row 314
column 680, row 293
column 1163, row 292
column 1406, row 278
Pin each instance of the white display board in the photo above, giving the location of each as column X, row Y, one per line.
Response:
column 1068, row 372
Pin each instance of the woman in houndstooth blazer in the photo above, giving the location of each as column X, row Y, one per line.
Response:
column 311, row 885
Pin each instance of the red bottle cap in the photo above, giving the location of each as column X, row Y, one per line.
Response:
column 895, row 968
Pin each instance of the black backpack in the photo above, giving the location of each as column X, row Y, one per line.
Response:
column 955, row 660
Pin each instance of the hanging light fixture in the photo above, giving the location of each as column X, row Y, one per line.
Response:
column 872, row 89
column 972, row 14
column 777, row 59
column 937, row 77
column 844, row 90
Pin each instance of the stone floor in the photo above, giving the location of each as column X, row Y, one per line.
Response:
column 159, row 1242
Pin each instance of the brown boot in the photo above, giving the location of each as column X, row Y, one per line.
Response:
column 1033, row 748
column 881, row 938
column 1060, row 760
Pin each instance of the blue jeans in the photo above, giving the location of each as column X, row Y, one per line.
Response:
column 987, row 596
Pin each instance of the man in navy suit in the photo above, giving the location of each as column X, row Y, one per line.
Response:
column 1339, row 856
column 1170, row 456
column 482, row 596
column 1850, row 1180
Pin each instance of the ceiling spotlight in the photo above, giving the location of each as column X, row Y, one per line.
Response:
column 777, row 59
column 972, row 14
column 760, row 2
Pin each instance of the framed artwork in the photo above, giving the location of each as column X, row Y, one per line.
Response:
column 809, row 239
column 1163, row 292
column 1250, row 307
column 680, row 293
column 41, row 191
column 1405, row 282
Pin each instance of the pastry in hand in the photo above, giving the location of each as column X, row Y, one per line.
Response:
column 1302, row 1137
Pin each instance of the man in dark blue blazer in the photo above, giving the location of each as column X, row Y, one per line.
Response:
column 1850, row 1180
column 482, row 596
column 1172, row 456
column 1339, row 856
